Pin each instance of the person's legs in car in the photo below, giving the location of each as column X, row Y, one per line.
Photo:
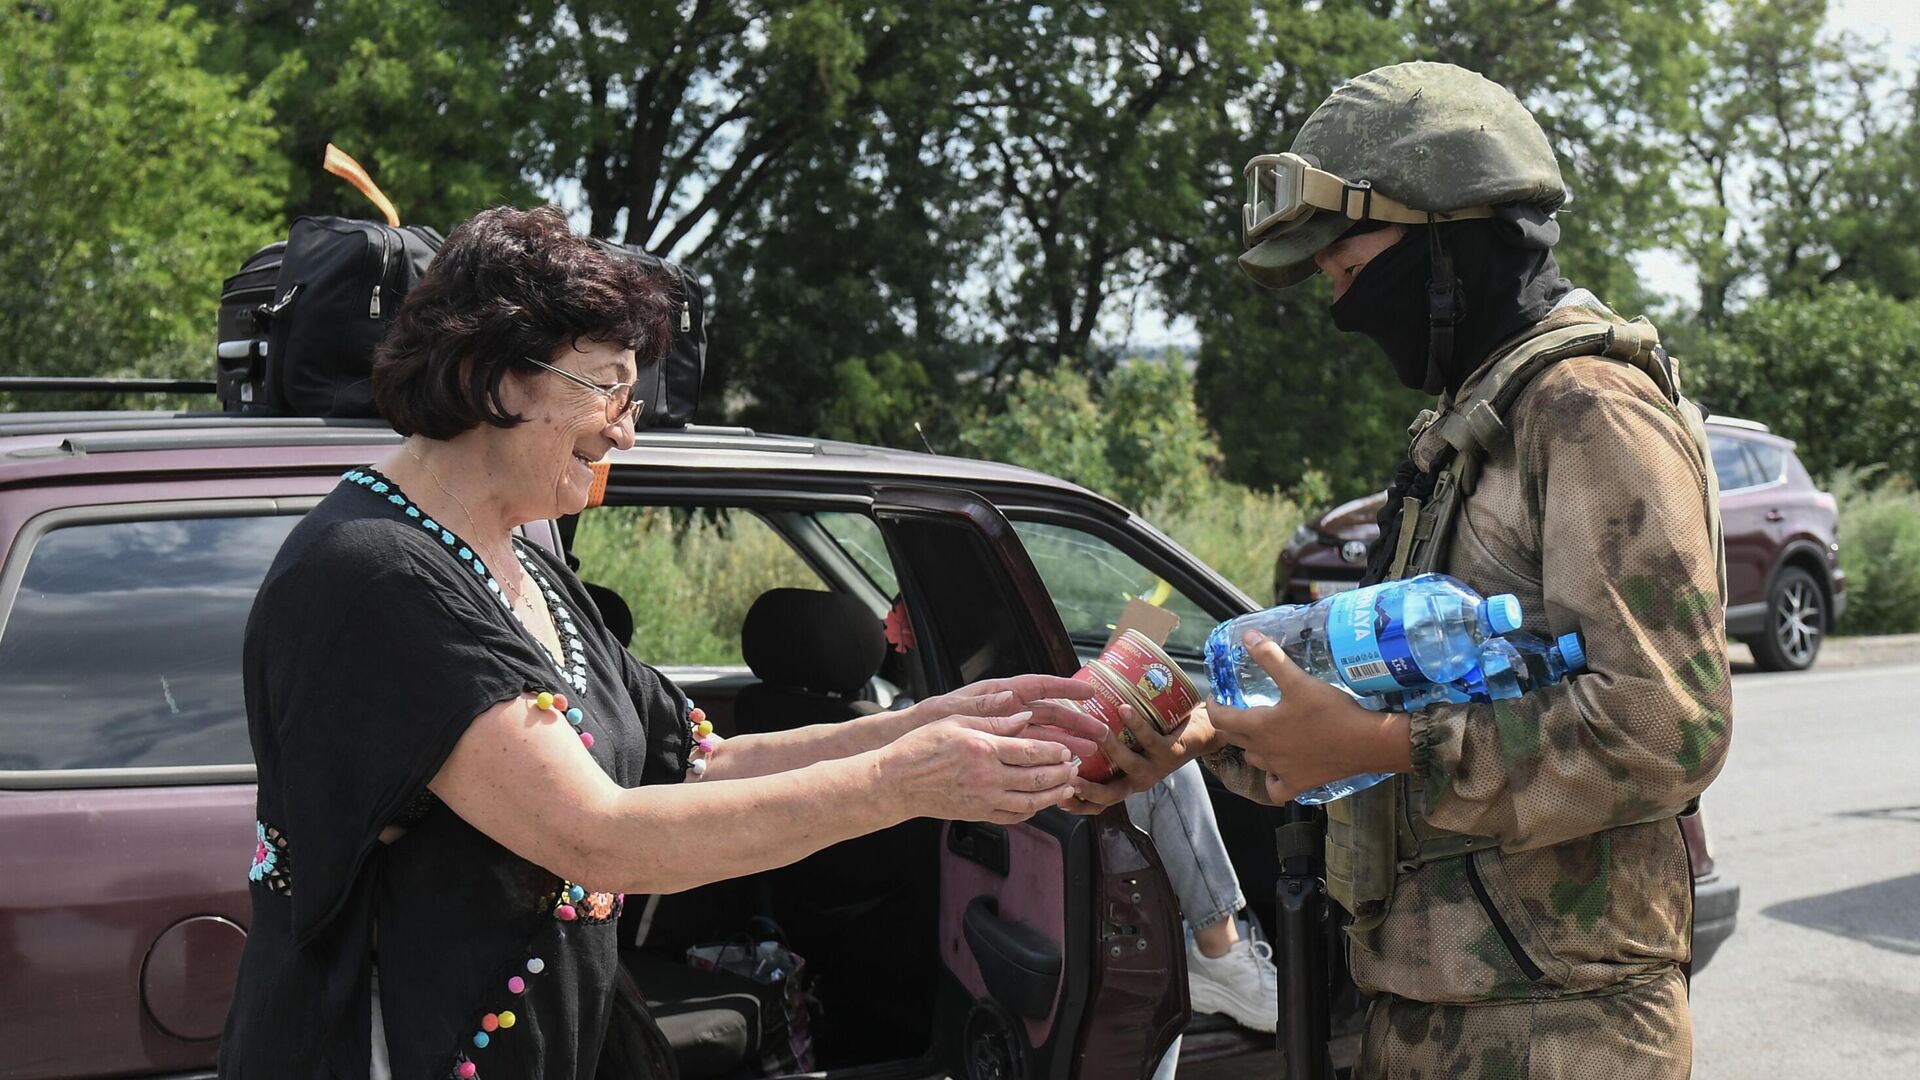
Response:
column 1225, row 973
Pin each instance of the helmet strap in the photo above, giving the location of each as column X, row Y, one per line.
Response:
column 1445, row 302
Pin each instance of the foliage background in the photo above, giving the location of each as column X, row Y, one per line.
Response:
column 945, row 220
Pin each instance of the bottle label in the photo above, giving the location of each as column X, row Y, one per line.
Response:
column 1369, row 646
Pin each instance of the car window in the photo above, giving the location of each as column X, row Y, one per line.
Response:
column 1770, row 462
column 1730, row 463
column 1091, row 580
column 123, row 645
column 967, row 618
column 859, row 536
column 687, row 575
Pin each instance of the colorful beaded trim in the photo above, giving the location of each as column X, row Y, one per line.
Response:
column 704, row 742
column 574, row 671
column 573, row 903
column 563, row 621
column 270, row 862
column 558, row 703
column 493, row 1023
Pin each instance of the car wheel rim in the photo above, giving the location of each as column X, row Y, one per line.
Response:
column 1799, row 622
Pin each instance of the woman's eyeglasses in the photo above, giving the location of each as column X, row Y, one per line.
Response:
column 621, row 404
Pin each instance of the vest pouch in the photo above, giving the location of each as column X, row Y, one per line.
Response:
column 1360, row 855
column 1418, row 842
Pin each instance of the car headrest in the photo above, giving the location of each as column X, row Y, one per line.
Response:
column 613, row 611
column 812, row 640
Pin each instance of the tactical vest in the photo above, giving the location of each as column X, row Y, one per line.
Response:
column 1376, row 835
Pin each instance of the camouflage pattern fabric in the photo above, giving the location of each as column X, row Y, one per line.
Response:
column 1594, row 515
column 1434, row 136
column 1639, row 1032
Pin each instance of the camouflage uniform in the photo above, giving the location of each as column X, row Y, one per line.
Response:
column 1594, row 515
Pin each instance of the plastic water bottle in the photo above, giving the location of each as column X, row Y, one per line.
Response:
column 1510, row 666
column 1378, row 643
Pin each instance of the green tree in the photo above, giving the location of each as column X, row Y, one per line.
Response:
column 415, row 90
column 1837, row 371
column 1087, row 126
column 671, row 117
column 844, row 311
column 1286, row 394
column 1269, row 362
column 134, row 183
column 1135, row 436
column 1799, row 155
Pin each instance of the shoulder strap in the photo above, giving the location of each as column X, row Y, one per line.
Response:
column 1476, row 424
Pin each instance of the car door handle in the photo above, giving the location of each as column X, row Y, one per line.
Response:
column 1775, row 515
column 1019, row 964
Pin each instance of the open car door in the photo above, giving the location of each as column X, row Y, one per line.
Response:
column 1061, row 949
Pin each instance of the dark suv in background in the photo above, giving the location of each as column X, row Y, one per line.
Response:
column 1785, row 587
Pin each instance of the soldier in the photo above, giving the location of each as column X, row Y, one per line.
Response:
column 1520, row 892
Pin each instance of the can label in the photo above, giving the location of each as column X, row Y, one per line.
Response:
column 1369, row 646
column 1104, row 706
column 1145, row 667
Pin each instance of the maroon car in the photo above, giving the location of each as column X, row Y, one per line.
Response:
column 131, row 545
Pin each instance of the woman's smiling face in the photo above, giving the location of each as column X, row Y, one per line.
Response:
column 567, row 429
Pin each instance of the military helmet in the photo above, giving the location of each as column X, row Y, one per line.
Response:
column 1414, row 139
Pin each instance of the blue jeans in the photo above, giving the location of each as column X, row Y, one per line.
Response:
column 1178, row 815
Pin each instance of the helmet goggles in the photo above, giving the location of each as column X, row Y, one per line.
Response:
column 1286, row 189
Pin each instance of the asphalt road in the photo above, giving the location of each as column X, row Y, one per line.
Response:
column 1817, row 816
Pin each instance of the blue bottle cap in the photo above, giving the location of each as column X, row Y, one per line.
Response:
column 1501, row 614
column 1572, row 651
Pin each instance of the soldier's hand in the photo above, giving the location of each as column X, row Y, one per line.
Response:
column 1315, row 734
column 1141, row 758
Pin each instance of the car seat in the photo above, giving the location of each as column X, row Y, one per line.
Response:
column 813, row 652
column 863, row 913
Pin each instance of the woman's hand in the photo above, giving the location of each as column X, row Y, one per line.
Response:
column 977, row 768
column 1315, row 734
column 1020, row 693
column 1142, row 757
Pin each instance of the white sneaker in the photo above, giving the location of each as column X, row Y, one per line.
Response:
column 1242, row 984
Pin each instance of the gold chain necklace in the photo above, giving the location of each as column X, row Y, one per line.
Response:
column 514, row 593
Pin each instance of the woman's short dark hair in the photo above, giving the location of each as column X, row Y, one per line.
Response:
column 509, row 285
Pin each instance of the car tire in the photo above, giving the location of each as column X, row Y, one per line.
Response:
column 1797, row 623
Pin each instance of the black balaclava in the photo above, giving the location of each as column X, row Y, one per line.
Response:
column 1507, row 281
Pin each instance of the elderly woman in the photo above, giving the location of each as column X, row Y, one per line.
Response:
column 461, row 771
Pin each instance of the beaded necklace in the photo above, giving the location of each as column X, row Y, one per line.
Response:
column 574, row 670
column 574, row 673
column 512, row 592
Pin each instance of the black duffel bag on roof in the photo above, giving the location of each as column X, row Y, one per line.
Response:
column 671, row 388
column 341, row 282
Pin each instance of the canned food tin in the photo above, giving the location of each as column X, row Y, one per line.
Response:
column 1133, row 671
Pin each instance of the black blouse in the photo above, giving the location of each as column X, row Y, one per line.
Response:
column 376, row 638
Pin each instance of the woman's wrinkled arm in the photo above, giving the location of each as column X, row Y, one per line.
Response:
column 519, row 775
column 768, row 753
